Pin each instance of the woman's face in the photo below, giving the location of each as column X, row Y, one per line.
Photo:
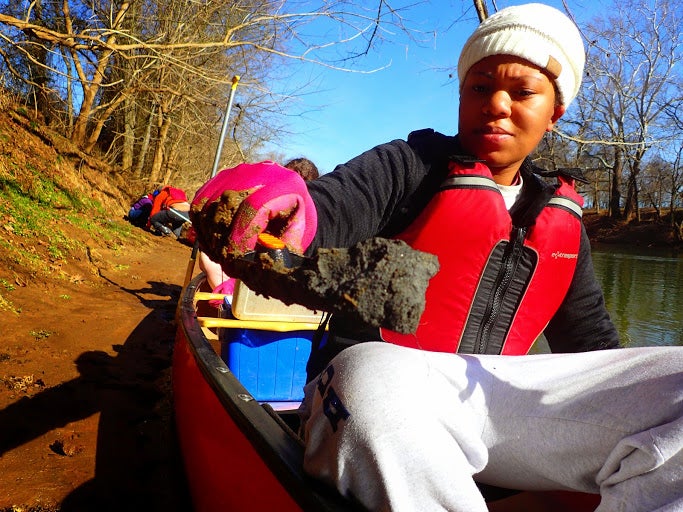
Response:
column 506, row 105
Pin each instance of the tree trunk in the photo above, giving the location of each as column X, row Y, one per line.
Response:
column 172, row 161
column 678, row 230
column 632, row 208
column 596, row 194
column 144, row 147
column 69, row 93
column 615, row 196
column 629, row 204
column 165, row 126
column 78, row 136
column 660, row 199
column 91, row 85
column 482, row 10
column 39, row 70
column 672, row 205
column 101, row 118
column 128, row 149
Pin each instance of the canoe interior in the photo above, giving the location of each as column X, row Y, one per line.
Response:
column 237, row 456
column 241, row 455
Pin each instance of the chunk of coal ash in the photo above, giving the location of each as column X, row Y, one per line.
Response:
column 378, row 282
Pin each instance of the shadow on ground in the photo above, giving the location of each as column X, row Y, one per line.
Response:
column 138, row 465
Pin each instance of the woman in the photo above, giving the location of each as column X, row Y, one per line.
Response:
column 414, row 422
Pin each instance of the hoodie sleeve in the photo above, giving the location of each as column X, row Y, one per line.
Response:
column 360, row 198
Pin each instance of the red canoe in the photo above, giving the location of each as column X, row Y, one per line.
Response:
column 242, row 455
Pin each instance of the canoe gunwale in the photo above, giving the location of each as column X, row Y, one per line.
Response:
column 282, row 453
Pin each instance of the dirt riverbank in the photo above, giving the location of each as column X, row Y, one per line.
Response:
column 85, row 399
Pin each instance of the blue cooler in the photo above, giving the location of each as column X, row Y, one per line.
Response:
column 269, row 354
column 270, row 365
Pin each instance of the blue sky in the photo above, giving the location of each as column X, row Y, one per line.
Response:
column 348, row 113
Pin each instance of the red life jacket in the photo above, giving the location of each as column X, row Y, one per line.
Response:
column 498, row 285
column 166, row 197
column 175, row 195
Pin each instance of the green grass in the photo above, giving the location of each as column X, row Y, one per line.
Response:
column 41, row 334
column 42, row 210
column 21, row 257
column 6, row 305
column 49, row 215
column 113, row 233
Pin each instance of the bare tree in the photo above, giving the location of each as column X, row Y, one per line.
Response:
column 171, row 61
column 676, row 194
column 675, row 115
column 632, row 78
column 655, row 178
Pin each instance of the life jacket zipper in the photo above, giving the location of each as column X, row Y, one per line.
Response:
column 511, row 259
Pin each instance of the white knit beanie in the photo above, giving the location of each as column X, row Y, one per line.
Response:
column 536, row 32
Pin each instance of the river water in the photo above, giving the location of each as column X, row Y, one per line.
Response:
column 644, row 294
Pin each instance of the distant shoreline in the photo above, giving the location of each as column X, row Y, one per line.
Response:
column 649, row 232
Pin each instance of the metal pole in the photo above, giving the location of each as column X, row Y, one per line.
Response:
column 224, row 129
column 214, row 171
column 179, row 215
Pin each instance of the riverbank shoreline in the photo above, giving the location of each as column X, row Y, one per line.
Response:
column 650, row 232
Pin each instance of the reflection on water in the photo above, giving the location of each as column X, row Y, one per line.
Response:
column 644, row 294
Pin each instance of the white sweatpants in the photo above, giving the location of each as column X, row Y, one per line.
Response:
column 403, row 429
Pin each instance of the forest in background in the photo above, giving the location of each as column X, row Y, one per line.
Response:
column 143, row 86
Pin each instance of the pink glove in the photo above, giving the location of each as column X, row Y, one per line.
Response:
column 276, row 200
column 227, row 287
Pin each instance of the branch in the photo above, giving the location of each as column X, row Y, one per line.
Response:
column 603, row 142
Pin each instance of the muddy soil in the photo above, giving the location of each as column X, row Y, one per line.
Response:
column 86, row 419
column 377, row 283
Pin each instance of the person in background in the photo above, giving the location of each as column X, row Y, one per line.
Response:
column 219, row 281
column 170, row 210
column 304, row 167
column 416, row 422
column 138, row 215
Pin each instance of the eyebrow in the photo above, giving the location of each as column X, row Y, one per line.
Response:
column 489, row 75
